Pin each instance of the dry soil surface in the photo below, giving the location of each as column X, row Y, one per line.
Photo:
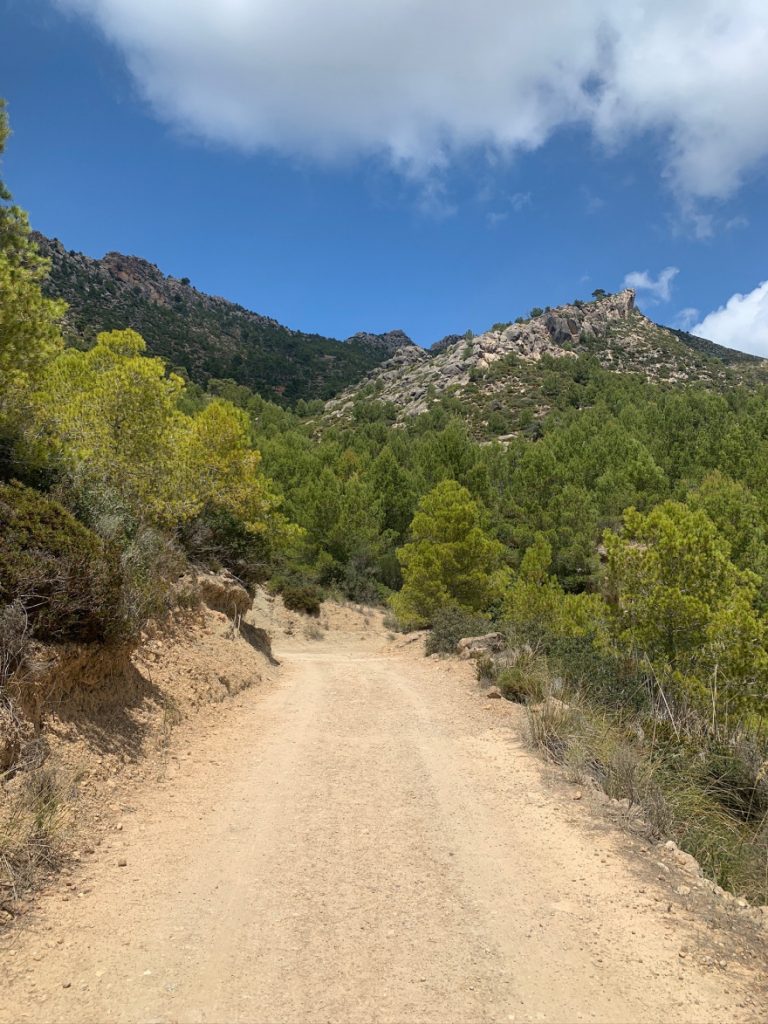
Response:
column 367, row 838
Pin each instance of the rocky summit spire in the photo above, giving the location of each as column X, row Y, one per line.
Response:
column 609, row 329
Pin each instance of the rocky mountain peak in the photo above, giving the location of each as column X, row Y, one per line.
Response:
column 556, row 331
column 610, row 329
column 389, row 342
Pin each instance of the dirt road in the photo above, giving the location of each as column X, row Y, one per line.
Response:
column 366, row 840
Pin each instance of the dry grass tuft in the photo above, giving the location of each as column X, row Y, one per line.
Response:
column 523, row 676
column 34, row 820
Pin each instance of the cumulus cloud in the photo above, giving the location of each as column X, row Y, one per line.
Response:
column 418, row 81
column 659, row 288
column 741, row 323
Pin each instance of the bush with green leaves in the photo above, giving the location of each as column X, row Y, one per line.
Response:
column 680, row 601
column 64, row 576
column 305, row 598
column 150, row 562
column 299, row 591
column 523, row 676
column 451, row 624
column 536, row 602
column 218, row 539
column 29, row 323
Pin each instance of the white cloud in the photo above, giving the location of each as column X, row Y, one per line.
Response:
column 659, row 288
column 741, row 323
column 496, row 217
column 686, row 318
column 739, row 221
column 691, row 220
column 418, row 80
column 520, row 201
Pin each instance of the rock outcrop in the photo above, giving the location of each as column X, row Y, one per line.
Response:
column 610, row 329
column 478, row 646
column 388, row 343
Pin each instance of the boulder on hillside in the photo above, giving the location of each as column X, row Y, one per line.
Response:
column 477, row 646
column 222, row 592
column 561, row 329
column 552, row 706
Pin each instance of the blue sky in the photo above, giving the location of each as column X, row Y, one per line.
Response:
column 338, row 197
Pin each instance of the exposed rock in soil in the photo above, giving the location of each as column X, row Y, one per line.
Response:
column 477, row 646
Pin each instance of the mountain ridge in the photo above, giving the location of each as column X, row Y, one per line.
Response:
column 207, row 336
column 502, row 363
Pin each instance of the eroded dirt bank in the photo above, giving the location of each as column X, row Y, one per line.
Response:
column 368, row 839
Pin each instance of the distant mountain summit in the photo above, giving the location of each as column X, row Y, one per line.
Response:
column 446, row 342
column 387, row 343
column 503, row 362
column 209, row 337
column 206, row 335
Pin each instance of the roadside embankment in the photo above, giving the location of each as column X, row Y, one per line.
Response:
column 74, row 717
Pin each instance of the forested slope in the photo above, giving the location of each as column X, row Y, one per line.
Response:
column 204, row 335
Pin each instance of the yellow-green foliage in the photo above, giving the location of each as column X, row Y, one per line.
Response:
column 680, row 599
column 450, row 560
column 738, row 516
column 536, row 599
column 110, row 415
column 110, row 419
column 224, row 470
column 29, row 323
column 29, row 332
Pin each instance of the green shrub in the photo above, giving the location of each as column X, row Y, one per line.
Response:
column 617, row 680
column 450, row 560
column 609, row 724
column 148, row 560
column 302, row 599
column 61, row 573
column 525, row 678
column 359, row 584
column 149, row 563
column 451, row 624
column 217, row 539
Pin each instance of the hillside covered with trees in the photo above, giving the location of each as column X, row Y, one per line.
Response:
column 617, row 536
column 201, row 335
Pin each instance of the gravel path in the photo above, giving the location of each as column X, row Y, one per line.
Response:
column 366, row 840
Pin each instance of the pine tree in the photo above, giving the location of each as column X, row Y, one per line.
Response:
column 29, row 323
column 450, row 561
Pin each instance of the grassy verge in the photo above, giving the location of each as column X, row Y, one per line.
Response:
column 607, row 721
